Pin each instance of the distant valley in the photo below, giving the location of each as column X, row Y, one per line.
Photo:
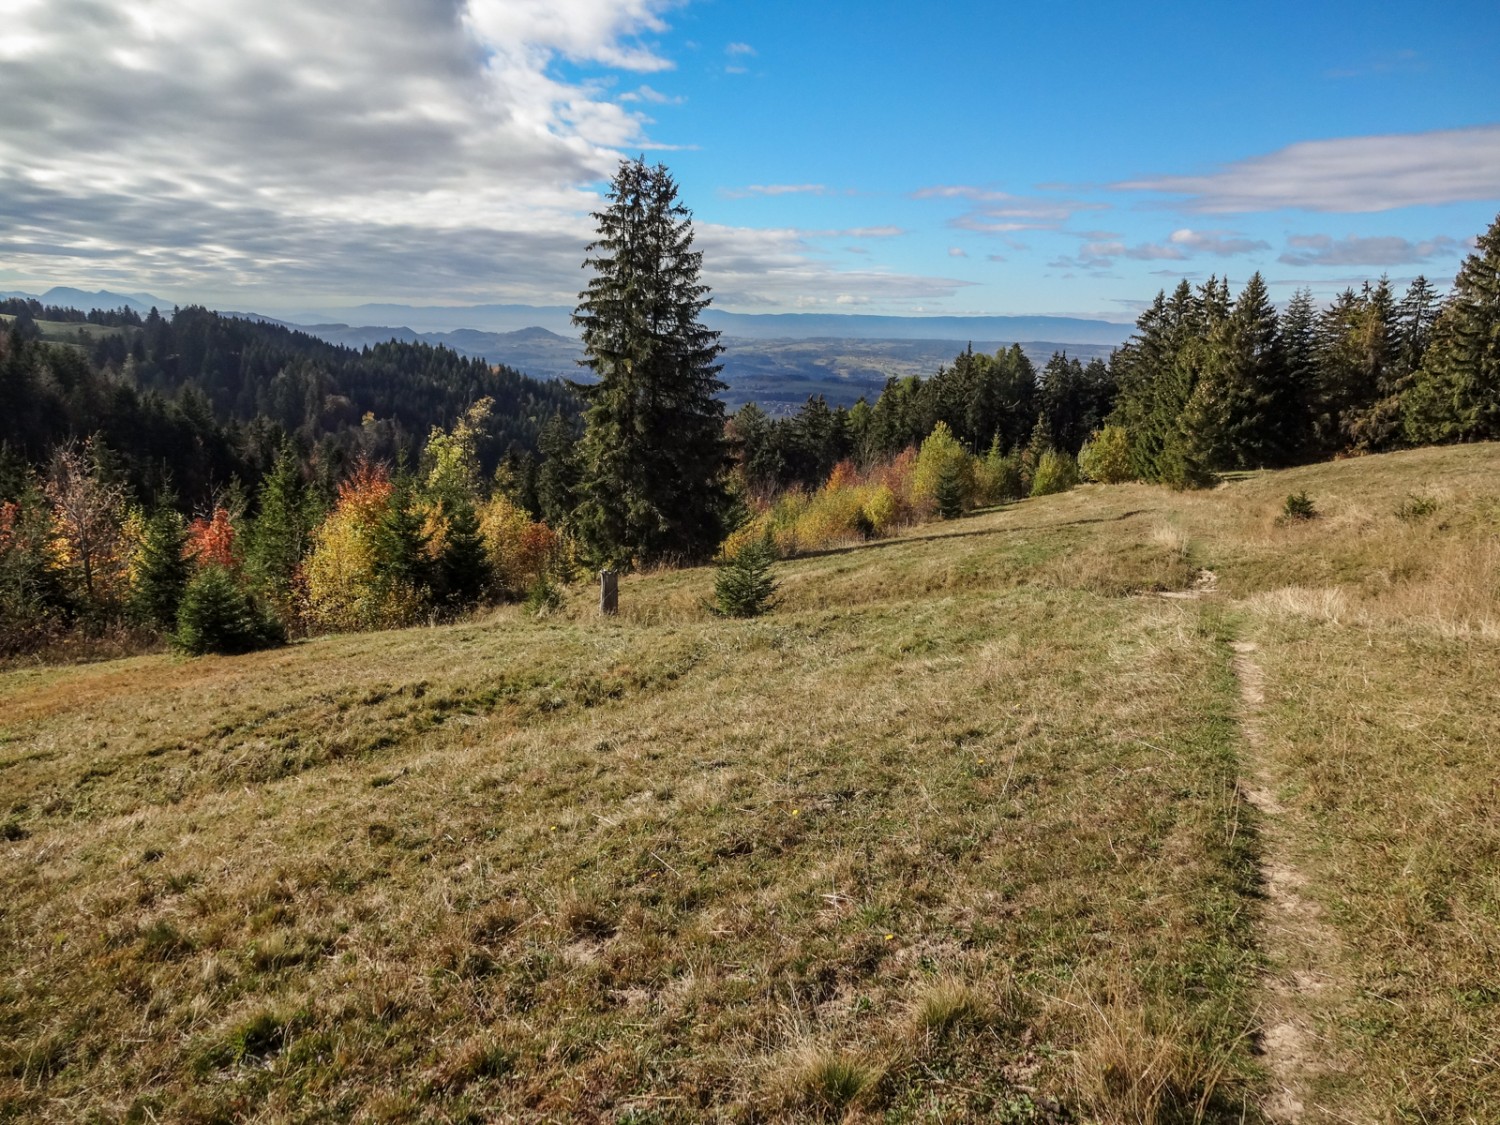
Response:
column 776, row 360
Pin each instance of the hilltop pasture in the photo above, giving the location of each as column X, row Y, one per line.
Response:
column 964, row 830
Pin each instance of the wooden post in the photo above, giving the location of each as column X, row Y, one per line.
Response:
column 609, row 592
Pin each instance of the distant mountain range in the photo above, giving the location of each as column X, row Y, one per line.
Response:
column 776, row 359
column 65, row 297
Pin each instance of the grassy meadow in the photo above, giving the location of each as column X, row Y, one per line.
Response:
column 68, row 332
column 959, row 832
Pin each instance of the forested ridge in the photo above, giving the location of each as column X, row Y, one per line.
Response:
column 185, row 405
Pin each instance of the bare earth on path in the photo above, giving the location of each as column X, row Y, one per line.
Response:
column 1299, row 945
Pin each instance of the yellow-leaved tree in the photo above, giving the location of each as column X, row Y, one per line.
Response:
column 343, row 586
column 943, row 479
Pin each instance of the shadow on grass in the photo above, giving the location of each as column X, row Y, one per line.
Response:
column 873, row 544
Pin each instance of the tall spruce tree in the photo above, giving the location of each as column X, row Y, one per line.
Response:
column 1456, row 394
column 653, row 455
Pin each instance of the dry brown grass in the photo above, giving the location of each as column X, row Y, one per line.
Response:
column 955, row 834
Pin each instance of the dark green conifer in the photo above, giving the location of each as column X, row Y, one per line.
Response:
column 653, row 455
column 949, row 490
column 162, row 572
column 279, row 536
column 400, row 544
column 743, row 586
column 463, row 567
column 1456, row 394
column 1234, row 418
column 557, row 475
column 218, row 615
column 1298, row 349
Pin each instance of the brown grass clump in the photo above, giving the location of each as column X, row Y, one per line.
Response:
column 1136, row 1066
column 948, row 1004
column 828, row 1083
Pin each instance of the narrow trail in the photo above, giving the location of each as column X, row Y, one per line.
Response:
column 1299, row 945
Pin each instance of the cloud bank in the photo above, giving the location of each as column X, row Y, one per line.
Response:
column 1323, row 250
column 406, row 149
column 1350, row 174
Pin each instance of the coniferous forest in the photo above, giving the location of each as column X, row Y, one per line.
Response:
column 228, row 481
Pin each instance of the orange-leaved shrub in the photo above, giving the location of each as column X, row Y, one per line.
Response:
column 210, row 542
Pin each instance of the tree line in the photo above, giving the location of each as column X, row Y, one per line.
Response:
column 1209, row 382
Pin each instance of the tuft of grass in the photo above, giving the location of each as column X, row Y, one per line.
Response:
column 1138, row 1067
column 830, row 1082
column 161, row 941
column 254, row 1037
column 948, row 1004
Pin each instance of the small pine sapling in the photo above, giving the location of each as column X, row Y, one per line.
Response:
column 949, row 490
column 218, row 615
column 1298, row 506
column 743, row 586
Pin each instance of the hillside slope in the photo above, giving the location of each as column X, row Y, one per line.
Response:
column 959, row 832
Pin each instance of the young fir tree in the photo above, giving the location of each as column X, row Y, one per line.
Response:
column 557, row 476
column 402, row 569
column 463, row 568
column 949, row 491
column 218, row 615
column 1456, row 394
column 653, row 455
column 162, row 570
column 281, row 535
column 743, row 586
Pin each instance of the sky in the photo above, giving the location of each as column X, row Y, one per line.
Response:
column 967, row 158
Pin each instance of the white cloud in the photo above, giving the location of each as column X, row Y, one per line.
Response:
column 655, row 97
column 1222, row 243
column 281, row 152
column 1098, row 250
column 1324, row 250
column 957, row 252
column 1348, row 174
column 740, row 50
column 774, row 190
column 1000, row 212
column 872, row 232
column 771, row 269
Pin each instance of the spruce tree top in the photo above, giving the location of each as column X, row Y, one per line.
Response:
column 642, row 305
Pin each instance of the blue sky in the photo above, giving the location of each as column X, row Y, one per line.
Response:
column 969, row 158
